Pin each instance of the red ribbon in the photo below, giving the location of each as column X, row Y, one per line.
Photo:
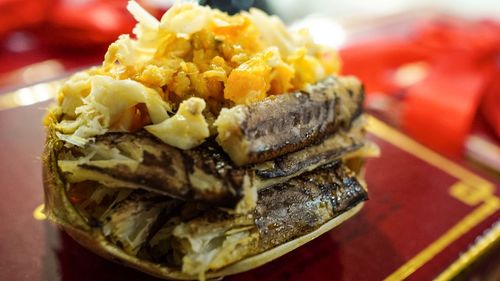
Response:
column 462, row 74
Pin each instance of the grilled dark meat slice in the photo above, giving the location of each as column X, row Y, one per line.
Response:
column 342, row 144
column 141, row 161
column 199, row 238
column 131, row 223
column 285, row 123
column 284, row 212
column 296, row 207
column 204, row 173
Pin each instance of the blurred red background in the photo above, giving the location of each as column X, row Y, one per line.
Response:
column 440, row 75
column 75, row 33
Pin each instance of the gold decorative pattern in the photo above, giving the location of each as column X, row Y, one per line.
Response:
column 463, row 226
column 471, row 194
column 398, row 139
column 466, row 259
column 471, row 190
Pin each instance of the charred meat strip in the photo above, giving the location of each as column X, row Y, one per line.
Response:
column 286, row 123
column 284, row 212
column 205, row 173
column 291, row 209
column 200, row 237
column 140, row 161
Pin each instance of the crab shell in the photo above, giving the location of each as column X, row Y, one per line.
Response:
column 60, row 211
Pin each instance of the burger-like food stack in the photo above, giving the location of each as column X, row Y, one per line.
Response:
column 205, row 145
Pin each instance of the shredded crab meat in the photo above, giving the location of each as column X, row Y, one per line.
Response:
column 192, row 52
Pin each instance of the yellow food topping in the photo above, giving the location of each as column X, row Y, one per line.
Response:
column 193, row 51
column 197, row 51
column 186, row 129
column 106, row 104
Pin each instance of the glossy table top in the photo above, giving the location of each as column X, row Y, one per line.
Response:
column 424, row 210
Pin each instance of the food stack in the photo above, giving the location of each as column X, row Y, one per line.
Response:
column 216, row 178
